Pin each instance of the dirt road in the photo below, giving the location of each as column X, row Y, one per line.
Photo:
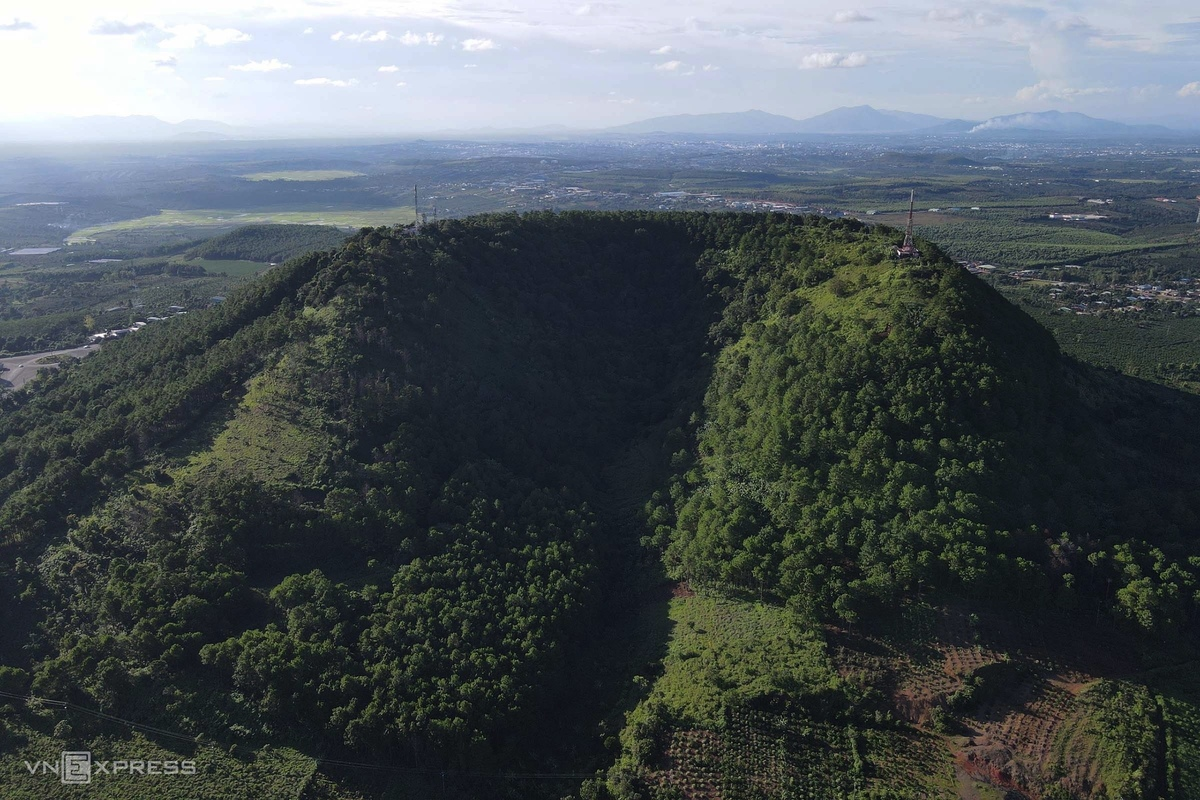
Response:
column 19, row 370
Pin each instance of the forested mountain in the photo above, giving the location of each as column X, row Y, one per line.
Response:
column 376, row 505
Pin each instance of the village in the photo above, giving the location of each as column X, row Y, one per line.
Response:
column 1072, row 293
column 119, row 333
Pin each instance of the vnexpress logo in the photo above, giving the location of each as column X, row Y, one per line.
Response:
column 73, row 767
column 76, row 767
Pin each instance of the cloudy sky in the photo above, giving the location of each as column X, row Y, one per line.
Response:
column 420, row 65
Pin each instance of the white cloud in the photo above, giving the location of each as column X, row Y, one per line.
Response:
column 842, row 17
column 590, row 9
column 834, row 60
column 365, row 36
column 662, row 51
column 185, row 37
column 274, row 65
column 166, row 62
column 411, row 39
column 389, row 68
column 307, row 31
column 478, row 45
column 470, row 66
column 18, row 25
column 111, row 66
column 668, row 66
column 980, row 19
column 1137, row 44
column 1190, row 90
column 945, row 15
column 402, row 83
column 116, row 28
column 711, row 68
column 1051, row 90
column 1075, row 24
column 325, row 82
column 224, row 36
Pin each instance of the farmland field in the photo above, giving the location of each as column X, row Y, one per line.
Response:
column 302, row 175
column 207, row 218
column 232, row 268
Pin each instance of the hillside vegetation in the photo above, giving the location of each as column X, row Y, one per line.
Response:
column 376, row 507
column 269, row 243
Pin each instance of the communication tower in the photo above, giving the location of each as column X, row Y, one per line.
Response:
column 908, row 249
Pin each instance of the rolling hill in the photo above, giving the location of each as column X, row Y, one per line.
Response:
column 603, row 505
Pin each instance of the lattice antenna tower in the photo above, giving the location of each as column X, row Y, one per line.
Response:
column 908, row 242
column 908, row 249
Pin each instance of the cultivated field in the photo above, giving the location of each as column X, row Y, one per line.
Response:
column 230, row 267
column 226, row 219
column 302, row 175
column 943, row 703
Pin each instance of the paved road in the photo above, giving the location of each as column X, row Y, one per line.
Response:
column 19, row 370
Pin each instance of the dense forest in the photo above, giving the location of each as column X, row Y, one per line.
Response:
column 874, row 430
column 375, row 502
column 269, row 243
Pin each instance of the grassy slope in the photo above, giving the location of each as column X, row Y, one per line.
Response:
column 724, row 652
column 1058, row 706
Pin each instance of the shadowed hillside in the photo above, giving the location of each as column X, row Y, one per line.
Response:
column 408, row 502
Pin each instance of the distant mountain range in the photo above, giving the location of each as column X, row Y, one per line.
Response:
column 118, row 129
column 865, row 120
column 1068, row 122
column 858, row 119
column 855, row 120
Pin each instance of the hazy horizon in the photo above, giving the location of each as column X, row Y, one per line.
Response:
column 368, row 66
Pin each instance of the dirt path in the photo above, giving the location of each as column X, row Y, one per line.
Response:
column 20, row 370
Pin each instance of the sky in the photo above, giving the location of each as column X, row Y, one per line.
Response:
column 424, row 65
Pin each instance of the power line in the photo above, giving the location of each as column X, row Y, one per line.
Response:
column 101, row 715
